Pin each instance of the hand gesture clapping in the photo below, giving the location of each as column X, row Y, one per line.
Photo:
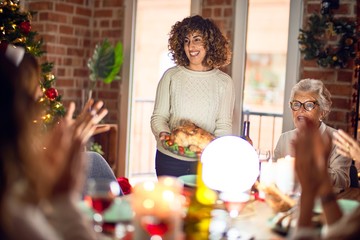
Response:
column 63, row 167
column 346, row 145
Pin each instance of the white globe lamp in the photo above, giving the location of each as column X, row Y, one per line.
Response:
column 230, row 164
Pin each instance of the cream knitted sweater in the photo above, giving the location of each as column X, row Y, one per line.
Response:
column 205, row 98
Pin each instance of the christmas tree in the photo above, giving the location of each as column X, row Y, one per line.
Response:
column 15, row 28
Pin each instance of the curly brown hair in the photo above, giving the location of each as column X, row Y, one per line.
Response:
column 217, row 48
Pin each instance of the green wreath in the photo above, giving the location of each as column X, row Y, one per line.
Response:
column 314, row 43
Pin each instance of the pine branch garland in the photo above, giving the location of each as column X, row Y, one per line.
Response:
column 329, row 41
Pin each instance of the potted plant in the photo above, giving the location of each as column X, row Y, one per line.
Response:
column 105, row 64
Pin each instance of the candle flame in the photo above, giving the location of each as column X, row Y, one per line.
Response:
column 148, row 203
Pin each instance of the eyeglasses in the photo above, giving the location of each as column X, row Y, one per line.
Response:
column 308, row 105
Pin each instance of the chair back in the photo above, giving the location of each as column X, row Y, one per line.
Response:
column 354, row 179
column 98, row 167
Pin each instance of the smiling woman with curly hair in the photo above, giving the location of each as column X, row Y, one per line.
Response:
column 195, row 91
column 216, row 45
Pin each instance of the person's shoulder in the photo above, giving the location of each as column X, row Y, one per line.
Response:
column 172, row 70
column 222, row 76
column 289, row 133
column 329, row 129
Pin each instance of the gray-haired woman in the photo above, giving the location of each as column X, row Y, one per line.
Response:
column 310, row 100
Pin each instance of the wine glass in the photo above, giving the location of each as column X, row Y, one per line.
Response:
column 101, row 192
column 234, row 203
column 264, row 155
column 156, row 227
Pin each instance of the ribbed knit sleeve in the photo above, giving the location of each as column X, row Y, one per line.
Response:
column 160, row 118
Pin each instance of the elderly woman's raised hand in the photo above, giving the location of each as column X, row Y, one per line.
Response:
column 346, row 145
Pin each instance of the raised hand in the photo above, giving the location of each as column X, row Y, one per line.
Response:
column 90, row 108
column 346, row 145
column 311, row 153
column 62, row 165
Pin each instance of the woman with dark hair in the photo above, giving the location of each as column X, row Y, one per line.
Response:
column 41, row 174
column 194, row 90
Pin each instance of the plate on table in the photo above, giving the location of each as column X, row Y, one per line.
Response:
column 189, row 180
column 179, row 150
column 346, row 205
column 119, row 211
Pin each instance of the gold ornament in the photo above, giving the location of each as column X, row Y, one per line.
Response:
column 334, row 58
column 301, row 36
column 330, row 30
column 302, row 47
column 49, row 76
column 58, row 105
column 13, row 5
column 20, row 40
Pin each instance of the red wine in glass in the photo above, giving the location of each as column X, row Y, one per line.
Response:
column 102, row 192
column 155, row 226
column 101, row 203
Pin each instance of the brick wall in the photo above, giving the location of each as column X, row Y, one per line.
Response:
column 70, row 30
column 222, row 12
column 338, row 81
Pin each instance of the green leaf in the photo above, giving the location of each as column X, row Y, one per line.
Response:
column 118, row 52
column 106, row 62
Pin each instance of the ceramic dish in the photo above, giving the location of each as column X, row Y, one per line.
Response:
column 346, row 206
column 189, row 180
column 178, row 150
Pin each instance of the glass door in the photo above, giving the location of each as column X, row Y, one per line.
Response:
column 154, row 19
column 265, row 71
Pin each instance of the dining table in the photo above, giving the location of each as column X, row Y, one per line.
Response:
column 253, row 222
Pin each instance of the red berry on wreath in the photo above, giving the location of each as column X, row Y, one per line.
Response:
column 25, row 27
column 349, row 41
column 51, row 93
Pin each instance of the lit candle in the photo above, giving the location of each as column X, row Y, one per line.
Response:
column 267, row 174
column 285, row 174
column 157, row 198
column 158, row 203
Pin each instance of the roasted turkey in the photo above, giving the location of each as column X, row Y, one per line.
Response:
column 191, row 136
